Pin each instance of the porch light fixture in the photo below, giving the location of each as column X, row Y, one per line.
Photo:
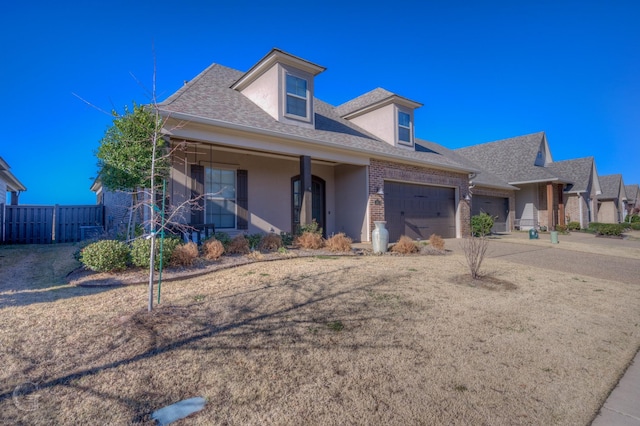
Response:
column 380, row 191
column 467, row 197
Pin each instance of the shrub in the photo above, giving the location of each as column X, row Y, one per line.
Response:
column 254, row 240
column 287, row 238
column 562, row 229
column 223, row 237
column 212, row 249
column 312, row 227
column 405, row 245
column 270, row 242
column 481, row 224
column 436, row 242
column 634, row 218
column 238, row 245
column 610, row 229
column 475, row 248
column 573, row 226
column 105, row 256
column 184, row 254
column 339, row 243
column 635, row 226
column 310, row 240
column 141, row 251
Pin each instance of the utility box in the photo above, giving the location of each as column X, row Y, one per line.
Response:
column 533, row 234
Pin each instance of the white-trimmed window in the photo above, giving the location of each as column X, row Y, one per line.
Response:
column 297, row 96
column 404, row 127
column 220, row 198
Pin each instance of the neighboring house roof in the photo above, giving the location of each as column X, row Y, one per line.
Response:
column 633, row 193
column 612, row 187
column 209, row 99
column 13, row 184
column 514, row 159
column 580, row 172
column 482, row 177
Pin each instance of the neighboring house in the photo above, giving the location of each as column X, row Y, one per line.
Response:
column 580, row 196
column 487, row 192
column 117, row 205
column 612, row 201
column 524, row 162
column 8, row 184
column 259, row 152
column 633, row 198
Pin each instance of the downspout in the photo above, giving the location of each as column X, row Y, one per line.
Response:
column 580, row 209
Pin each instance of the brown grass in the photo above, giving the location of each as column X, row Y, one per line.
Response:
column 212, row 249
column 339, row 243
column 405, row 245
column 310, row 240
column 436, row 242
column 184, row 254
column 270, row 242
column 341, row 340
column 239, row 245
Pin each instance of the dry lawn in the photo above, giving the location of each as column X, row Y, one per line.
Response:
column 327, row 340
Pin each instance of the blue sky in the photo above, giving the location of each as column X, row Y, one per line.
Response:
column 483, row 70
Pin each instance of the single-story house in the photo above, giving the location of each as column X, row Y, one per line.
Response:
column 633, row 198
column 523, row 162
column 9, row 184
column 612, row 201
column 257, row 151
column 580, row 196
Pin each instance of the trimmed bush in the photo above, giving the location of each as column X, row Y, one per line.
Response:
column 610, row 229
column 339, row 243
column 405, row 245
column 287, row 238
column 141, row 251
column 562, row 229
column 270, row 242
column 254, row 240
column 436, row 242
column 635, row 218
column 239, row 245
column 313, row 228
column 223, row 237
column 105, row 256
column 212, row 249
column 573, row 226
column 481, row 224
column 310, row 240
column 635, row 226
column 184, row 254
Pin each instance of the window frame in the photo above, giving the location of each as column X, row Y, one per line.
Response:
column 409, row 128
column 210, row 196
column 306, row 99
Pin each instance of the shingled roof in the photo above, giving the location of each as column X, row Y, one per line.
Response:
column 610, row 185
column 481, row 178
column 633, row 192
column 513, row 159
column 579, row 172
column 208, row 98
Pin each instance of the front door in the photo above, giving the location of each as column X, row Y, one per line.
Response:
column 317, row 202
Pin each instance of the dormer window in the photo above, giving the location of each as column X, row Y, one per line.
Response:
column 404, row 128
column 297, row 96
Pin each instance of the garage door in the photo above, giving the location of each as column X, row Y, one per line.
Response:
column 419, row 211
column 495, row 206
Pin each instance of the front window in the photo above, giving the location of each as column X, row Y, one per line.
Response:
column 220, row 198
column 404, row 127
column 296, row 96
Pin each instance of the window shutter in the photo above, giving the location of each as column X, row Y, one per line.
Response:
column 242, row 199
column 197, row 192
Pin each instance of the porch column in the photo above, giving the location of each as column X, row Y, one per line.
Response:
column 14, row 198
column 561, row 219
column 550, row 222
column 306, row 213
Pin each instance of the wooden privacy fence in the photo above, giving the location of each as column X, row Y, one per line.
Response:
column 50, row 224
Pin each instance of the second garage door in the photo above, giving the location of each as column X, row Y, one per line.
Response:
column 497, row 207
column 418, row 211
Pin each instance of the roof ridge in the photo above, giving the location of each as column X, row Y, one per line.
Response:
column 189, row 84
column 502, row 140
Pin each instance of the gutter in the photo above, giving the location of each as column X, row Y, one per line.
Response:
column 280, row 135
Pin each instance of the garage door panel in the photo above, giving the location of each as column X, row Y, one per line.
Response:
column 419, row 211
column 497, row 207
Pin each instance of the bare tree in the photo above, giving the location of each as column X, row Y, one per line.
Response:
column 475, row 248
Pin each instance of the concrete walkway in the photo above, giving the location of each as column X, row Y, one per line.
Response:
column 622, row 408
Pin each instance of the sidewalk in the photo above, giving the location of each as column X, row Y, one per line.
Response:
column 622, row 408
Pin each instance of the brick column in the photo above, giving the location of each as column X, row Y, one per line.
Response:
column 550, row 222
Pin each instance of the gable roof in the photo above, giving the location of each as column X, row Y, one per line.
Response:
column 481, row 178
column 580, row 172
column 13, row 184
column 209, row 99
column 633, row 192
column 611, row 187
column 371, row 100
column 513, row 159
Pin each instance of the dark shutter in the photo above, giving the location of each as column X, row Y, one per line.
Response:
column 197, row 192
column 242, row 199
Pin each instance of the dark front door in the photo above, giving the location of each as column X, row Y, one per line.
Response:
column 317, row 202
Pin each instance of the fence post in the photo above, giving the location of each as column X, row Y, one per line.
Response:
column 54, row 223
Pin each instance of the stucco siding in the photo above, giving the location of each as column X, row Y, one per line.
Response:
column 351, row 201
column 379, row 122
column 526, row 202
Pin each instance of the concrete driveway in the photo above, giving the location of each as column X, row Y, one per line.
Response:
column 577, row 253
